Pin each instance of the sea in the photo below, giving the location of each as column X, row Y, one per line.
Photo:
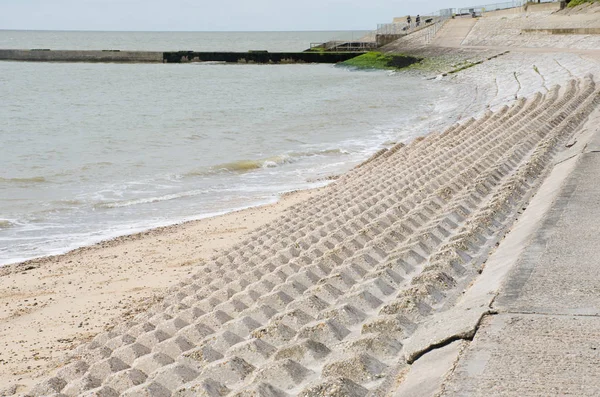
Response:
column 89, row 152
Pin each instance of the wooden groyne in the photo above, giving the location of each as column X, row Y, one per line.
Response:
column 259, row 57
column 117, row 56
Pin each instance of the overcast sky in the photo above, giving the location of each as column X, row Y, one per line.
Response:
column 216, row 15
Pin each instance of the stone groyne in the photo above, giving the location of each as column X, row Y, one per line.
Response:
column 258, row 57
column 117, row 56
column 46, row 55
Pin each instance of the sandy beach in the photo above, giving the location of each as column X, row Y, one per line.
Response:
column 50, row 305
column 374, row 285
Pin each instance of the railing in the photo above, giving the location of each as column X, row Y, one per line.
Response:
column 434, row 21
column 336, row 45
column 441, row 17
column 392, row 28
column 400, row 28
column 478, row 10
column 403, row 28
column 431, row 33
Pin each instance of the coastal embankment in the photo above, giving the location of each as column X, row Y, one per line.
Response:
column 339, row 291
column 459, row 264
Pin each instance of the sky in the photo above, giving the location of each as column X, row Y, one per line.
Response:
column 215, row 15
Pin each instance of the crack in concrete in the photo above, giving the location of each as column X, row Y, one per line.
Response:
column 524, row 313
column 568, row 158
column 465, row 335
column 567, row 70
column 519, row 83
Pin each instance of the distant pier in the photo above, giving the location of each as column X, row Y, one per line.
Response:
column 117, row 56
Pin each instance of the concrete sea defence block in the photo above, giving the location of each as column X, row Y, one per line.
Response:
column 340, row 312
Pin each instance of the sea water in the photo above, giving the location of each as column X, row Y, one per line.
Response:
column 93, row 151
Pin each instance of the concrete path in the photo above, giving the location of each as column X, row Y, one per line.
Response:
column 545, row 339
column 531, row 355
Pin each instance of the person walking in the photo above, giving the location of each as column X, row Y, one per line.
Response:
column 418, row 20
column 408, row 21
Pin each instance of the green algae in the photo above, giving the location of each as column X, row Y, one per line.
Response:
column 575, row 3
column 378, row 60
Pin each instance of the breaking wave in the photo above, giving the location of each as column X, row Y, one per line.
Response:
column 6, row 224
column 242, row 166
column 148, row 200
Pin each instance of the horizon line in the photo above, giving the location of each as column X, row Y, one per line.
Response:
column 182, row 31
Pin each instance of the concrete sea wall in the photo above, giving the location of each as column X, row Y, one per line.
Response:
column 259, row 57
column 46, row 55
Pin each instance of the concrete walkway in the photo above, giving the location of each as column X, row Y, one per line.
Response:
column 454, row 32
column 545, row 338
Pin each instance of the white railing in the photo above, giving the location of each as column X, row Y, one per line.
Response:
column 489, row 7
column 431, row 33
column 337, row 45
column 434, row 21
column 392, row 28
